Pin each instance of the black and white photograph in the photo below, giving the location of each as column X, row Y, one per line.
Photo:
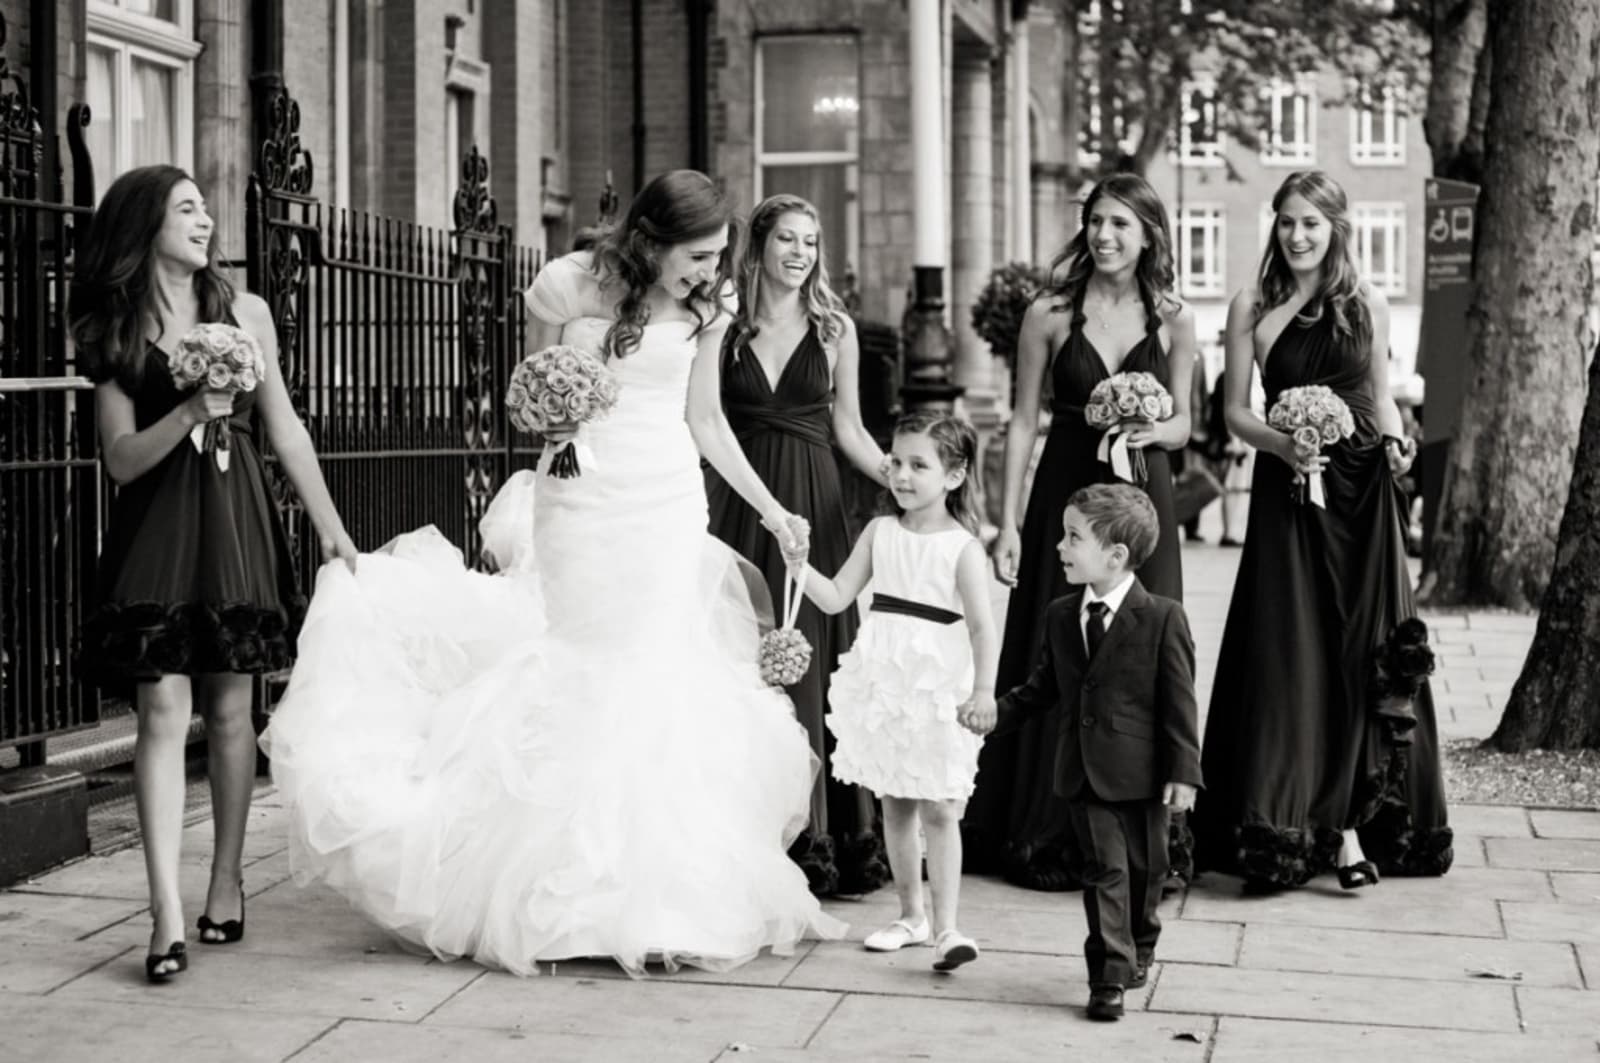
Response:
column 855, row 531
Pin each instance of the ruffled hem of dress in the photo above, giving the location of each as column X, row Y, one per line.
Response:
column 123, row 641
column 895, row 721
column 847, row 865
column 1284, row 856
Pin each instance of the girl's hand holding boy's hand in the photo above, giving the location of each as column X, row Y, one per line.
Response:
column 979, row 715
column 1178, row 796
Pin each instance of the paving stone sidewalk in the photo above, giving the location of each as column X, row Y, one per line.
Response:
column 1498, row 961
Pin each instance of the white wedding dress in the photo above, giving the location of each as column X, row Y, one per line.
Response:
column 576, row 757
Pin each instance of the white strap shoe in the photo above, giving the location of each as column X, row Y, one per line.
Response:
column 953, row 949
column 897, row 935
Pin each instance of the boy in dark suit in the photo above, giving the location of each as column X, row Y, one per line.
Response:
column 1119, row 663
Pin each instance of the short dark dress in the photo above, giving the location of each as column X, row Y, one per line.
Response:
column 787, row 434
column 1295, row 749
column 1015, row 824
column 195, row 573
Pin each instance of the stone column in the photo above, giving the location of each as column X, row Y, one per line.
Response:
column 927, row 342
column 1021, row 149
column 225, row 144
column 973, row 202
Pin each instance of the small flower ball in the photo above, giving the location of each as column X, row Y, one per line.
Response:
column 785, row 657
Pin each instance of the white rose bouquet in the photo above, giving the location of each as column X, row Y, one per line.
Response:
column 221, row 357
column 556, row 388
column 1116, row 404
column 1317, row 419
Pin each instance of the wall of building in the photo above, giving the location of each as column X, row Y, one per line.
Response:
column 1245, row 193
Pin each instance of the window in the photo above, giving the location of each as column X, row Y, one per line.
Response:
column 139, row 65
column 1377, row 129
column 808, row 107
column 1380, row 230
column 459, row 108
column 1290, row 139
column 1201, row 251
column 1103, row 128
column 466, row 98
column 1199, row 135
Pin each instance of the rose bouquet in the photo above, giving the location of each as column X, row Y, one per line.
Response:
column 1116, row 404
column 221, row 357
column 556, row 388
column 785, row 654
column 1316, row 418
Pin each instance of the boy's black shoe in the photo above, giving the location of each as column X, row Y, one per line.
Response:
column 1141, row 976
column 1105, row 1003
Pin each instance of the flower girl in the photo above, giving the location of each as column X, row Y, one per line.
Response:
column 906, row 713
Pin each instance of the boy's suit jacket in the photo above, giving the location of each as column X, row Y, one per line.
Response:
column 1129, row 724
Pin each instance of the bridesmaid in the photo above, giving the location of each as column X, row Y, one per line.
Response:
column 791, row 391
column 1308, row 769
column 1109, row 311
column 196, row 584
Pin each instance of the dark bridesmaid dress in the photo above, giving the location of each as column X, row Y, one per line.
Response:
column 195, row 573
column 787, row 433
column 1296, row 749
column 1015, row 824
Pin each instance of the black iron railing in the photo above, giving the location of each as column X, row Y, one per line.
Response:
column 50, row 495
column 396, row 342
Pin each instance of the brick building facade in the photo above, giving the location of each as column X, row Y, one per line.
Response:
column 560, row 94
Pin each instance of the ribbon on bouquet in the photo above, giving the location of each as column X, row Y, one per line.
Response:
column 1314, row 492
column 210, row 435
column 569, row 459
column 1126, row 462
column 792, row 595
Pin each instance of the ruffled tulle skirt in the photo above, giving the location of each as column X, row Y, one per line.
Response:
column 484, row 782
column 895, row 698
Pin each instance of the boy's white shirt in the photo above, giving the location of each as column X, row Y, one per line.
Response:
column 1113, row 600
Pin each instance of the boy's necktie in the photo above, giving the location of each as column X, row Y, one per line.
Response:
column 1095, row 630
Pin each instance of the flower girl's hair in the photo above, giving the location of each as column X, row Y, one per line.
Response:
column 823, row 307
column 957, row 444
column 674, row 208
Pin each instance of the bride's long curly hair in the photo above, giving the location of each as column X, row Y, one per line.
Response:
column 1155, row 273
column 1339, row 288
column 674, row 208
column 822, row 307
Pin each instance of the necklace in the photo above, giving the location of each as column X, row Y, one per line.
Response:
column 1101, row 318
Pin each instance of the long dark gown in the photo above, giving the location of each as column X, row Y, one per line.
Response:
column 1015, row 823
column 195, row 573
column 787, row 434
column 1294, row 751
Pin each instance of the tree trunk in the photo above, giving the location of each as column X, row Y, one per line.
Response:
column 1458, row 91
column 1556, row 701
column 1512, row 459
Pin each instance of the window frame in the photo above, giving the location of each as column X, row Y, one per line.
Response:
column 850, row 159
column 1210, row 152
column 1362, row 218
column 131, row 36
column 1272, row 148
column 1212, row 219
column 1365, row 150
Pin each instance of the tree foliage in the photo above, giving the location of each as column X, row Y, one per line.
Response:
column 1137, row 56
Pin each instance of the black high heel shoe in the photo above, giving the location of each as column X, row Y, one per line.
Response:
column 177, row 953
column 1354, row 876
column 232, row 930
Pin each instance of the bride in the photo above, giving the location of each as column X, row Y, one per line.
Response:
column 576, row 757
